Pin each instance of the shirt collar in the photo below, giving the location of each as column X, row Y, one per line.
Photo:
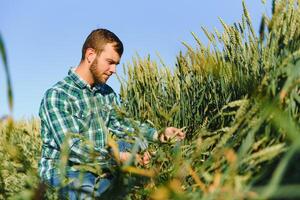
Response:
column 77, row 79
column 82, row 83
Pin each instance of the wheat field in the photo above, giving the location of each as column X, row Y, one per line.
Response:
column 237, row 98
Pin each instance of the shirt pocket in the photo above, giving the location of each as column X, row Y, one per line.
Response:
column 105, row 114
column 83, row 119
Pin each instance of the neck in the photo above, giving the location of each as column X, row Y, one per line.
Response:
column 83, row 70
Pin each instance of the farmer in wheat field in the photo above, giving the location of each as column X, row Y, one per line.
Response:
column 77, row 114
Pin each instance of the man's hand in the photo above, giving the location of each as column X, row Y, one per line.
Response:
column 124, row 156
column 144, row 159
column 141, row 159
column 172, row 133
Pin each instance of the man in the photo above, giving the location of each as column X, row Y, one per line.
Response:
column 81, row 108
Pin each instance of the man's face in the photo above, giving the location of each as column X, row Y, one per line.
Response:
column 105, row 64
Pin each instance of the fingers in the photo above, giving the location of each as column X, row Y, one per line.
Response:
column 163, row 137
column 141, row 159
column 178, row 134
column 181, row 134
column 124, row 156
column 170, row 132
column 144, row 159
column 138, row 159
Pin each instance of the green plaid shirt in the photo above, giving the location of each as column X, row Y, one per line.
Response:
column 72, row 113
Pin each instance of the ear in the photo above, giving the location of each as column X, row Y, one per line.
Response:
column 90, row 55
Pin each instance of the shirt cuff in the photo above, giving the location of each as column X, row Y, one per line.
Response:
column 155, row 136
column 152, row 134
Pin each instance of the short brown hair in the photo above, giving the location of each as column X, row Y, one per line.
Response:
column 98, row 38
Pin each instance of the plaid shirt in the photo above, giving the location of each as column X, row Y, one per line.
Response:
column 72, row 113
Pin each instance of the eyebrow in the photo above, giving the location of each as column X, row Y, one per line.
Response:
column 111, row 60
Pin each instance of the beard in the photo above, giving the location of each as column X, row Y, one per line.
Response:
column 97, row 76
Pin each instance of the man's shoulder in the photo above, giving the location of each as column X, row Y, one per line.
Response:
column 59, row 91
column 57, row 88
column 57, row 94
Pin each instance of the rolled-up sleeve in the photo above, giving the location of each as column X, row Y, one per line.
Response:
column 122, row 125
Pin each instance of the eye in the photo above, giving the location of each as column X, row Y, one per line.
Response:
column 110, row 62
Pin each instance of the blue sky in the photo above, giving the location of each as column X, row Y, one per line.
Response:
column 43, row 39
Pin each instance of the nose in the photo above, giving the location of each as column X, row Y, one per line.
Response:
column 113, row 69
